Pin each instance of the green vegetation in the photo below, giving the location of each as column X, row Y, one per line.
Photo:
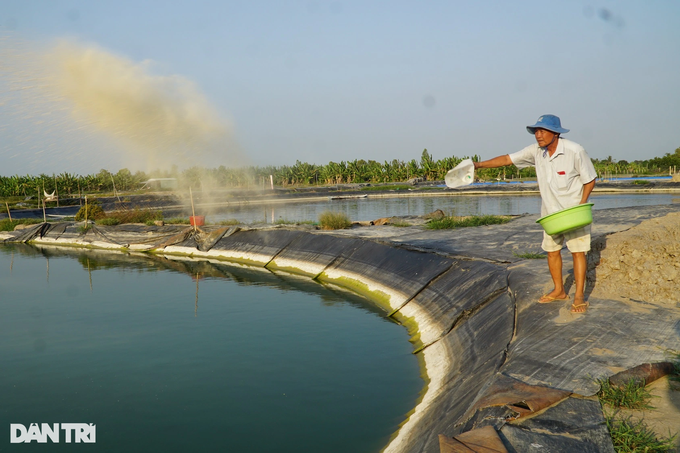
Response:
column 633, row 395
column 16, row 189
column 530, row 255
column 95, row 212
column 654, row 166
column 109, row 221
column 634, row 437
column 399, row 223
column 138, row 215
column 641, row 182
column 90, row 211
column 462, row 222
column 68, row 185
column 185, row 221
column 294, row 222
column 334, row 220
column 629, row 436
column 7, row 225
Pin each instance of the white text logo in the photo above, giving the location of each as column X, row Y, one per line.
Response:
column 73, row 432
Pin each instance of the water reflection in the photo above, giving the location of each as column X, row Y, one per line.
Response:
column 101, row 260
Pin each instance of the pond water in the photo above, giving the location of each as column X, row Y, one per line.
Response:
column 193, row 356
column 375, row 208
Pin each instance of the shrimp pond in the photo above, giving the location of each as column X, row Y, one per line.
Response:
column 178, row 355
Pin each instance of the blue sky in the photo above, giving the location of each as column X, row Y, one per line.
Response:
column 321, row 81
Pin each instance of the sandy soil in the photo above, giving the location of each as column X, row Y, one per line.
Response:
column 641, row 264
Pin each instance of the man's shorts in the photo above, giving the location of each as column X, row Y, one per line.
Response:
column 577, row 240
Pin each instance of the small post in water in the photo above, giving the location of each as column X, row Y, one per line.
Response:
column 8, row 213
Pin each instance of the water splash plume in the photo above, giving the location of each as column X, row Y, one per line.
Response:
column 82, row 99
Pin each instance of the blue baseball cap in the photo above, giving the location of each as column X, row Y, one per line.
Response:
column 549, row 122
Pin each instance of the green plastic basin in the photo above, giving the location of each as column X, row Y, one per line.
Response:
column 567, row 219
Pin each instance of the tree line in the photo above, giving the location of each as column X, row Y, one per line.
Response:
column 301, row 173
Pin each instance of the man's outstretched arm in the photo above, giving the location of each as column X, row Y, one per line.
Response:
column 499, row 161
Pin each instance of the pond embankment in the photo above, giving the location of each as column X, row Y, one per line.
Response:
column 498, row 364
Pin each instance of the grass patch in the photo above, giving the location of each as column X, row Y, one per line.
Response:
column 145, row 216
column 451, row 222
column 138, row 216
column 634, row 437
column 334, row 220
column 629, row 436
column 84, row 228
column 633, row 395
column 225, row 222
column 530, row 255
column 641, row 182
column 7, row 225
column 184, row 221
column 294, row 222
column 400, row 223
column 109, row 221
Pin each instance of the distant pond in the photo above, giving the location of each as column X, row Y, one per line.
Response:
column 462, row 205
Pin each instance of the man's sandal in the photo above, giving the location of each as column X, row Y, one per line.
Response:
column 545, row 299
column 576, row 308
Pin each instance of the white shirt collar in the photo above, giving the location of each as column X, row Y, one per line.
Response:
column 558, row 150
